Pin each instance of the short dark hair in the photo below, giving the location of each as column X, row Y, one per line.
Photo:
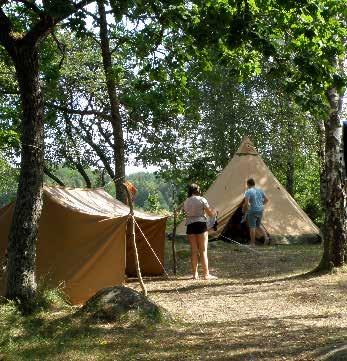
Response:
column 193, row 189
column 250, row 182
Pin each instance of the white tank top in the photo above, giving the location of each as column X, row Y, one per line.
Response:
column 194, row 207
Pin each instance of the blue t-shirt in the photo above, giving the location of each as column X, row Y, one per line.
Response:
column 256, row 199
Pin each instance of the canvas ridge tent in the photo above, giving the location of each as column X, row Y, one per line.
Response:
column 283, row 219
column 83, row 241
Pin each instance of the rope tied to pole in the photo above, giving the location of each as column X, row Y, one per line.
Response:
column 184, row 305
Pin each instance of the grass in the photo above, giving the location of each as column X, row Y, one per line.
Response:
column 262, row 307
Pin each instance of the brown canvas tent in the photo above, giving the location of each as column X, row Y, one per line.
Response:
column 283, row 219
column 82, row 242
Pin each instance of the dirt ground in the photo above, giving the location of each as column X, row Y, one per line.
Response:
column 261, row 307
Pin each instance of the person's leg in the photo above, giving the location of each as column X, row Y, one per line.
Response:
column 192, row 238
column 261, row 228
column 202, row 241
column 264, row 234
column 252, row 235
column 251, row 218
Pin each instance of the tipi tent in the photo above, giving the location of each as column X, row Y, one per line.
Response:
column 82, row 241
column 283, row 219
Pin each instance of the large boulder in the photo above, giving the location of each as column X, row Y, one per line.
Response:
column 121, row 303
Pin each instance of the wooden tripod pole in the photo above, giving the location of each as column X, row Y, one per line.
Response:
column 132, row 222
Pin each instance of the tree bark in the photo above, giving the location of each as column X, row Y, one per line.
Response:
column 21, row 284
column 290, row 159
column 335, row 216
column 118, row 139
column 290, row 175
column 322, row 160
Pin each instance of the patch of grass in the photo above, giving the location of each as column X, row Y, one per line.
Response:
column 260, row 309
column 47, row 297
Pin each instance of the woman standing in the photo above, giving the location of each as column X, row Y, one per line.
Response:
column 196, row 208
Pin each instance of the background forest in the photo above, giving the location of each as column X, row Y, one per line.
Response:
column 187, row 124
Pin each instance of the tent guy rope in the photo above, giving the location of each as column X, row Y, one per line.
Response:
column 184, row 305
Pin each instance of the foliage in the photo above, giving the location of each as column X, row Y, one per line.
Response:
column 152, row 204
column 221, row 111
column 153, row 192
column 71, row 177
column 8, row 182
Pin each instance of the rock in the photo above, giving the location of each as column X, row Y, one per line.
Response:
column 121, row 303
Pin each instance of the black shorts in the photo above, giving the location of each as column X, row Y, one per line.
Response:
column 196, row 228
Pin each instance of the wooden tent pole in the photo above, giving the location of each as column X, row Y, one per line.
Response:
column 132, row 222
column 174, row 230
column 174, row 242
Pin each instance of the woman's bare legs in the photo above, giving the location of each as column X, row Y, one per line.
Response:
column 202, row 240
column 192, row 238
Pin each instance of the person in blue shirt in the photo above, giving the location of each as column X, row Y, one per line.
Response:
column 255, row 199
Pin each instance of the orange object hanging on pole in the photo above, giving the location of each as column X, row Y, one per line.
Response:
column 131, row 188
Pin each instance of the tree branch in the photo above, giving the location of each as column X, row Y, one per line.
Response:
column 61, row 48
column 100, row 153
column 39, row 30
column 90, row 14
column 82, row 4
column 52, row 176
column 105, row 135
column 5, row 31
column 80, row 112
column 48, row 22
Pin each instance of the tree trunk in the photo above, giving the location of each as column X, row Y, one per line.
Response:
column 21, row 283
column 118, row 147
column 290, row 175
column 335, row 215
column 322, row 160
column 290, row 171
column 322, row 170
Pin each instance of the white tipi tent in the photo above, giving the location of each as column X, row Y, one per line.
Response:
column 283, row 219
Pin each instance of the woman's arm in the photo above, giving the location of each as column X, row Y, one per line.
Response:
column 211, row 212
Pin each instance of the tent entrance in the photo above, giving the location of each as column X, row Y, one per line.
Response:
column 238, row 231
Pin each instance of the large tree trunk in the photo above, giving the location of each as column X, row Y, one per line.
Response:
column 335, row 215
column 118, row 139
column 21, row 284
